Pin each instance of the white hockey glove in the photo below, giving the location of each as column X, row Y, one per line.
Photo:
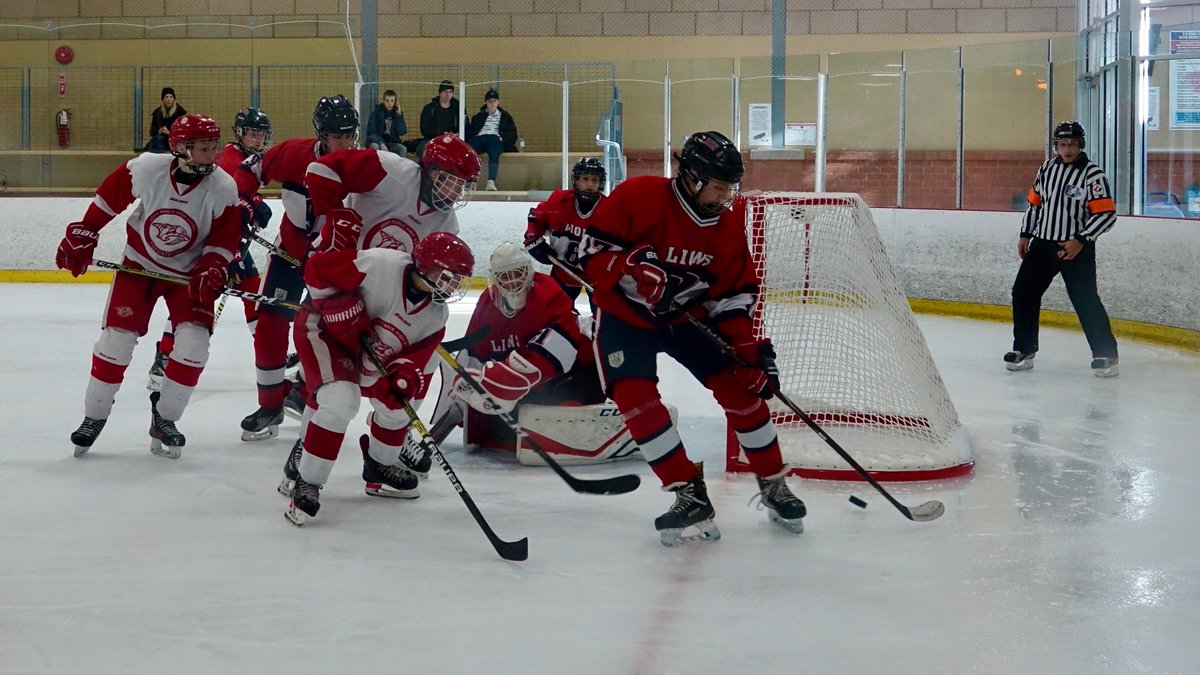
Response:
column 504, row 382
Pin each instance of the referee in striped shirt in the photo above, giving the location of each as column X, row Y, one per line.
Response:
column 1070, row 206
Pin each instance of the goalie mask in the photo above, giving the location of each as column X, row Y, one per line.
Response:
column 449, row 169
column 512, row 277
column 710, row 172
column 196, row 139
column 443, row 262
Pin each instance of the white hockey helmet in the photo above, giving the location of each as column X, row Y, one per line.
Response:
column 512, row 277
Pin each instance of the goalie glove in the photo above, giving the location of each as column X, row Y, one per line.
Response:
column 345, row 318
column 504, row 383
column 76, row 249
column 209, row 277
column 403, row 381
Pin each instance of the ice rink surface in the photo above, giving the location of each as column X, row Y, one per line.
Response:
column 1067, row 551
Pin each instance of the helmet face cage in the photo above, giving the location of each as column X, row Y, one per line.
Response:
column 511, row 277
column 252, row 119
column 443, row 262
column 1069, row 130
column 588, row 166
column 709, row 156
column 450, row 168
column 448, row 192
column 189, row 130
column 445, row 285
column 335, row 116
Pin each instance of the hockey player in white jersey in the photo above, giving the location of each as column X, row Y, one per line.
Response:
column 186, row 225
column 396, row 303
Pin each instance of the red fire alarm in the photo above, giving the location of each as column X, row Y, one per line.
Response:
column 64, row 55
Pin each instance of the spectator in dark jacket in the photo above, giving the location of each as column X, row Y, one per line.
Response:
column 161, row 120
column 439, row 116
column 492, row 130
column 386, row 127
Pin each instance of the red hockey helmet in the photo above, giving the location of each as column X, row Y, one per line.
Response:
column 444, row 262
column 189, row 130
column 450, row 168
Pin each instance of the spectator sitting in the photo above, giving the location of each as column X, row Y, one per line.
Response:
column 492, row 130
column 161, row 120
column 439, row 116
column 386, row 126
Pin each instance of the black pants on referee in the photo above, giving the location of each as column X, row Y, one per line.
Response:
column 1038, row 269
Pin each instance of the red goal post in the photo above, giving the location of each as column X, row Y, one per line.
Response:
column 849, row 350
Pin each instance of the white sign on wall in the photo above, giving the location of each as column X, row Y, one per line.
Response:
column 1152, row 109
column 760, row 124
column 800, row 133
column 1185, row 81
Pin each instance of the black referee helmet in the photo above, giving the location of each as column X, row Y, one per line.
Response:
column 1067, row 130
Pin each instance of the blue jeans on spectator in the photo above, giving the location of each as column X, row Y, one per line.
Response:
column 160, row 143
column 494, row 147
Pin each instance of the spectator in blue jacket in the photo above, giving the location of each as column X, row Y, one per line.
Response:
column 492, row 130
column 386, row 127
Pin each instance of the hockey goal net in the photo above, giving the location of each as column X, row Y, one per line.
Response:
column 850, row 353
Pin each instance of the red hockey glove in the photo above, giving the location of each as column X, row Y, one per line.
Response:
column 653, row 283
column 759, row 374
column 76, row 249
column 345, row 318
column 208, row 279
column 403, row 381
column 341, row 230
column 505, row 383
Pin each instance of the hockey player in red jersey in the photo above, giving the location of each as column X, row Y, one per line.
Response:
column 661, row 246
column 240, row 159
column 556, row 226
column 397, row 301
column 185, row 225
column 336, row 124
column 532, row 352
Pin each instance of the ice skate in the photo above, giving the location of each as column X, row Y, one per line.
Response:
column 1104, row 366
column 86, row 434
column 165, row 439
column 291, row 469
column 383, row 480
column 154, row 383
column 784, row 508
column 293, row 403
column 692, row 509
column 262, row 424
column 1019, row 360
column 415, row 457
column 306, row 501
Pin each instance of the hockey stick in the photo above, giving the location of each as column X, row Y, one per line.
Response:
column 509, row 550
column 279, row 252
column 255, row 297
column 594, row 486
column 921, row 513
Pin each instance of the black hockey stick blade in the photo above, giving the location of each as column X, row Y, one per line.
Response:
column 925, row 512
column 467, row 341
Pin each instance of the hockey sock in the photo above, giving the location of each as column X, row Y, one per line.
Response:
column 388, row 431
column 110, row 357
column 183, row 369
column 166, row 343
column 750, row 420
column 650, row 425
column 270, row 357
column 250, row 285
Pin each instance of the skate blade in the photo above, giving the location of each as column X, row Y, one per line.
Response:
column 168, row 451
column 154, row 383
column 269, row 432
column 81, row 450
column 1027, row 364
column 292, row 413
column 381, row 490
column 704, row 531
column 1107, row 372
column 795, row 526
column 295, row 516
column 285, row 487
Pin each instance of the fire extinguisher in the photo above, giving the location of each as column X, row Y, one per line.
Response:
column 62, row 122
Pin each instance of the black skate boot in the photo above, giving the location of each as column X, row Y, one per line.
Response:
column 262, row 424
column 1105, row 366
column 165, row 439
column 291, row 469
column 785, row 508
column 1019, row 360
column 383, row 480
column 692, row 509
column 293, row 403
column 157, row 369
column 415, row 457
column 306, row 501
column 86, row 434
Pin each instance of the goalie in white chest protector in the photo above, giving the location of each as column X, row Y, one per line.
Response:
column 535, row 359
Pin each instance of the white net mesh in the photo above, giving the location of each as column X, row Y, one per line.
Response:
column 850, row 353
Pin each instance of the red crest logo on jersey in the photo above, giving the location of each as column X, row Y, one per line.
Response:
column 379, row 237
column 169, row 232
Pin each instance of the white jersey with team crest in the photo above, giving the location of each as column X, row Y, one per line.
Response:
column 169, row 227
column 385, row 189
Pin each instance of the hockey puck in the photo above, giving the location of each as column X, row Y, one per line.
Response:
column 858, row 502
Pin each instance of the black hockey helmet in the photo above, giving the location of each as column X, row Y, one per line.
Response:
column 251, row 118
column 335, row 115
column 1067, row 130
column 709, row 156
column 588, row 166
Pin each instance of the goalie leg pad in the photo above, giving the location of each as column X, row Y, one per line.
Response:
column 574, row 435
